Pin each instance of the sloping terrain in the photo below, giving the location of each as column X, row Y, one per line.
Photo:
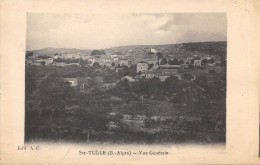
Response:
column 179, row 50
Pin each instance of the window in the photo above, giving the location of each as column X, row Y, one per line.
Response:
column 71, row 82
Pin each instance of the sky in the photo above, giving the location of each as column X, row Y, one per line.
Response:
column 98, row 31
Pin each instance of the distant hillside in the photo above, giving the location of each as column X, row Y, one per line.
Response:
column 213, row 48
column 53, row 51
column 182, row 50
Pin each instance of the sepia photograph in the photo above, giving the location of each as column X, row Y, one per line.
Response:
column 135, row 78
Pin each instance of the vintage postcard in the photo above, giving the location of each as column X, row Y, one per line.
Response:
column 98, row 84
column 112, row 83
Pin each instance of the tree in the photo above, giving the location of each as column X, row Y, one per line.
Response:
column 102, row 52
column 164, row 61
column 81, row 61
column 44, row 56
column 175, row 61
column 159, row 55
column 150, row 66
column 204, row 61
column 171, row 84
column 113, row 64
column 143, row 87
column 124, row 86
column 31, row 75
column 124, row 71
column 84, row 62
column 212, row 71
column 98, row 52
column 29, row 54
column 53, row 94
column 190, row 66
column 92, row 118
column 123, row 89
column 58, row 60
column 96, row 65
column 132, row 70
column 181, row 62
column 170, row 62
column 223, row 62
column 154, row 85
column 211, row 61
column 43, row 63
column 187, row 76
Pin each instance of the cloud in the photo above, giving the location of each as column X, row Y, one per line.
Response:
column 197, row 36
column 93, row 31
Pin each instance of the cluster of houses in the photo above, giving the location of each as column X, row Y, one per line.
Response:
column 161, row 71
column 148, row 65
column 166, row 70
column 103, row 60
column 87, row 83
column 38, row 62
column 68, row 56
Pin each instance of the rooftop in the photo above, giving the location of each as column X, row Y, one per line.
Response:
column 142, row 62
column 71, row 79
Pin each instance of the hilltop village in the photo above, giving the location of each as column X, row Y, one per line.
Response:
column 128, row 95
column 149, row 65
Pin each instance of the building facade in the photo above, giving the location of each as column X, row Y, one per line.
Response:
column 69, row 55
column 141, row 67
column 153, row 50
column 123, row 62
column 197, row 62
column 46, row 61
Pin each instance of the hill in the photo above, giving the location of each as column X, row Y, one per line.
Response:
column 181, row 50
column 52, row 51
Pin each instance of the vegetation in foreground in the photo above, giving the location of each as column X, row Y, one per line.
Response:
column 148, row 111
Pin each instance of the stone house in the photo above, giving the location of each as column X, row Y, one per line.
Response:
column 142, row 66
